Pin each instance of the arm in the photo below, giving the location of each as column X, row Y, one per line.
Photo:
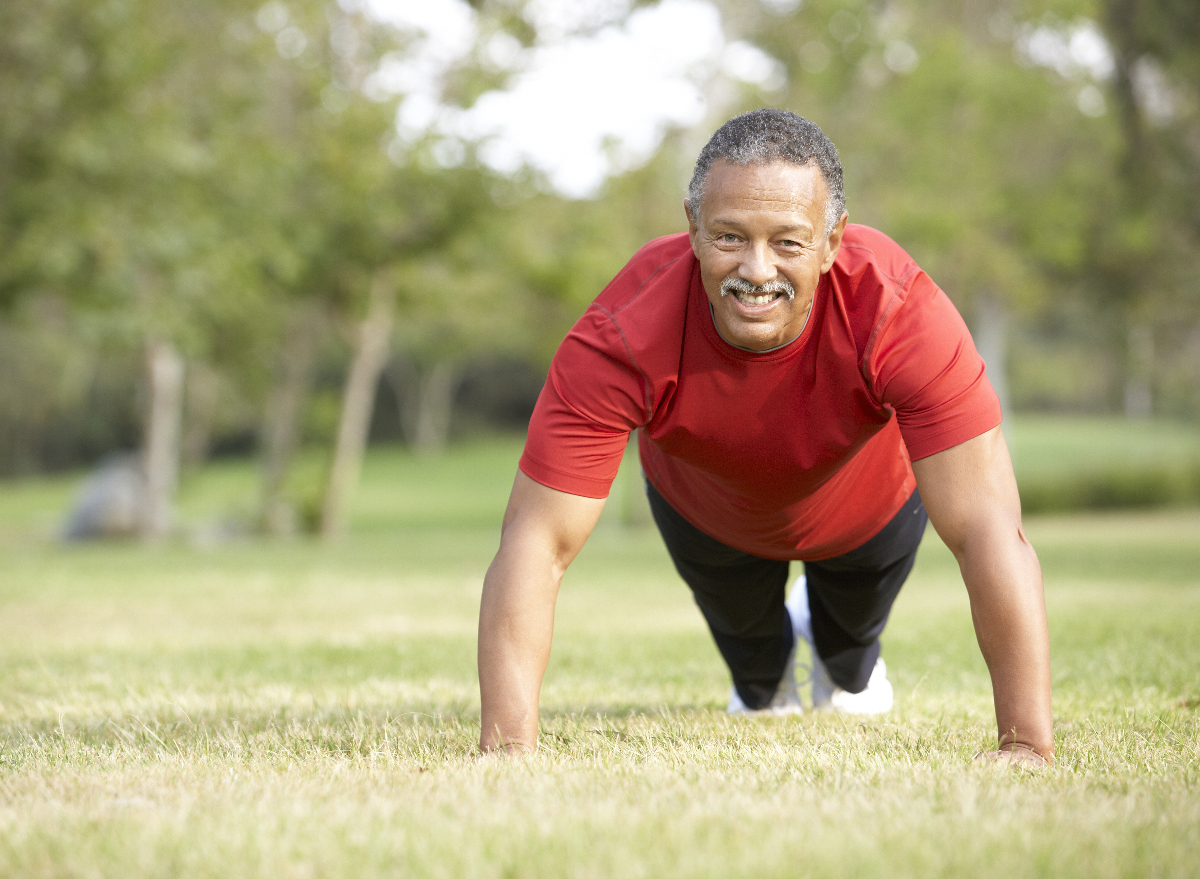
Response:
column 543, row 531
column 971, row 497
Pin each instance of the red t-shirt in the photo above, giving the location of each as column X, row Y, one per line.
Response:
column 798, row 453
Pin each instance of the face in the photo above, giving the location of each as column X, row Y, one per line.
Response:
column 761, row 226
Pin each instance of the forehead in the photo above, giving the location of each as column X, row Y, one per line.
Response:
column 769, row 188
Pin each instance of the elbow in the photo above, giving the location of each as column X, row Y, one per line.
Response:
column 989, row 539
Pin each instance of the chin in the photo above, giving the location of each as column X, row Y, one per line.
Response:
column 757, row 341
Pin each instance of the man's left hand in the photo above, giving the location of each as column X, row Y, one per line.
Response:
column 971, row 496
column 1016, row 754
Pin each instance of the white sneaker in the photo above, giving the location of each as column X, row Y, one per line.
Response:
column 877, row 698
column 785, row 701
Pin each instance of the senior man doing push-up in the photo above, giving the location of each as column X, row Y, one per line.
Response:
column 802, row 391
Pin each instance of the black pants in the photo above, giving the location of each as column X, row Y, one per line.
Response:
column 741, row 598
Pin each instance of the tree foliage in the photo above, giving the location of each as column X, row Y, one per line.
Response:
column 227, row 179
column 1011, row 162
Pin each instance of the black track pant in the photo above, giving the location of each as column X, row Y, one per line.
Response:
column 741, row 598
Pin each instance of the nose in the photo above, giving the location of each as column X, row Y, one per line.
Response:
column 757, row 265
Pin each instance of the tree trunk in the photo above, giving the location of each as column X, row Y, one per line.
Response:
column 1193, row 349
column 200, row 406
column 358, row 398
column 1139, row 372
column 991, row 341
column 160, row 453
column 424, row 397
column 1126, row 49
column 282, row 422
column 634, row 507
column 436, row 387
column 400, row 374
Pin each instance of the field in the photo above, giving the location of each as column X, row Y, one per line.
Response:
column 227, row 707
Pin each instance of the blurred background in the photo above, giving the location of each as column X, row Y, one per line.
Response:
column 279, row 233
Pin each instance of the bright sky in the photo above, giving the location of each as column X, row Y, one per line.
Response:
column 592, row 98
column 597, row 93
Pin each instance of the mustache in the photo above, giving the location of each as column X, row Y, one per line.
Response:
column 745, row 288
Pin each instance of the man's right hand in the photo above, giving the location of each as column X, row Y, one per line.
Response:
column 543, row 531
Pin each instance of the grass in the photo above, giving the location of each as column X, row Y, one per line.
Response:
column 1072, row 463
column 233, row 708
column 1046, row 445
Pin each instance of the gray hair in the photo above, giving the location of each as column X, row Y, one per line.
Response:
column 767, row 135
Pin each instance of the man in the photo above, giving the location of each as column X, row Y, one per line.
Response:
column 803, row 392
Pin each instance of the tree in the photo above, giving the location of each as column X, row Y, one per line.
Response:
column 423, row 251
column 198, row 221
column 116, row 217
column 981, row 165
column 1147, row 260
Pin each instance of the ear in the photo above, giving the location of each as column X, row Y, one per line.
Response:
column 834, row 242
column 693, row 225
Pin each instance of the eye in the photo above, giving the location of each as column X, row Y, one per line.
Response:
column 729, row 238
column 788, row 243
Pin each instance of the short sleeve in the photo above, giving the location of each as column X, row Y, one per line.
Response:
column 593, row 397
column 923, row 363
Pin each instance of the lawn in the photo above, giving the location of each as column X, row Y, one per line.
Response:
column 1068, row 463
column 228, row 707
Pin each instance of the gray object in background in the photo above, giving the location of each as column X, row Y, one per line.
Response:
column 110, row 503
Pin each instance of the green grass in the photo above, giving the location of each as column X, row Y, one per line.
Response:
column 1071, row 463
column 1045, row 445
column 226, row 707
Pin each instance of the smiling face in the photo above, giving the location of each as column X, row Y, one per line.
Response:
column 762, row 228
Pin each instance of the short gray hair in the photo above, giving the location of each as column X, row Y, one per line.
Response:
column 763, row 136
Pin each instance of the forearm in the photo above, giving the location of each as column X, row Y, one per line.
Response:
column 543, row 531
column 1004, row 581
column 971, row 496
column 516, row 627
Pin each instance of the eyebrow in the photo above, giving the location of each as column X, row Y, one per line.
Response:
column 775, row 230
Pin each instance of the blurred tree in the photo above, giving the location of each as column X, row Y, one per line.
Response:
column 422, row 248
column 317, row 187
column 1146, row 262
column 223, row 185
column 1029, row 159
column 107, row 177
column 214, row 179
column 176, row 176
column 983, row 167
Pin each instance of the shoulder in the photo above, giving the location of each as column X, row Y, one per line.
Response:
column 869, row 257
column 870, row 280
column 658, row 269
column 639, row 319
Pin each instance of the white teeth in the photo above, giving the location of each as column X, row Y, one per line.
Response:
column 755, row 300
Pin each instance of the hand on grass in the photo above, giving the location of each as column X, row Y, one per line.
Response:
column 510, row 749
column 1015, row 754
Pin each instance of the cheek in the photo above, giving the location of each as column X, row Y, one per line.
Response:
column 714, row 271
column 806, row 274
column 711, row 259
